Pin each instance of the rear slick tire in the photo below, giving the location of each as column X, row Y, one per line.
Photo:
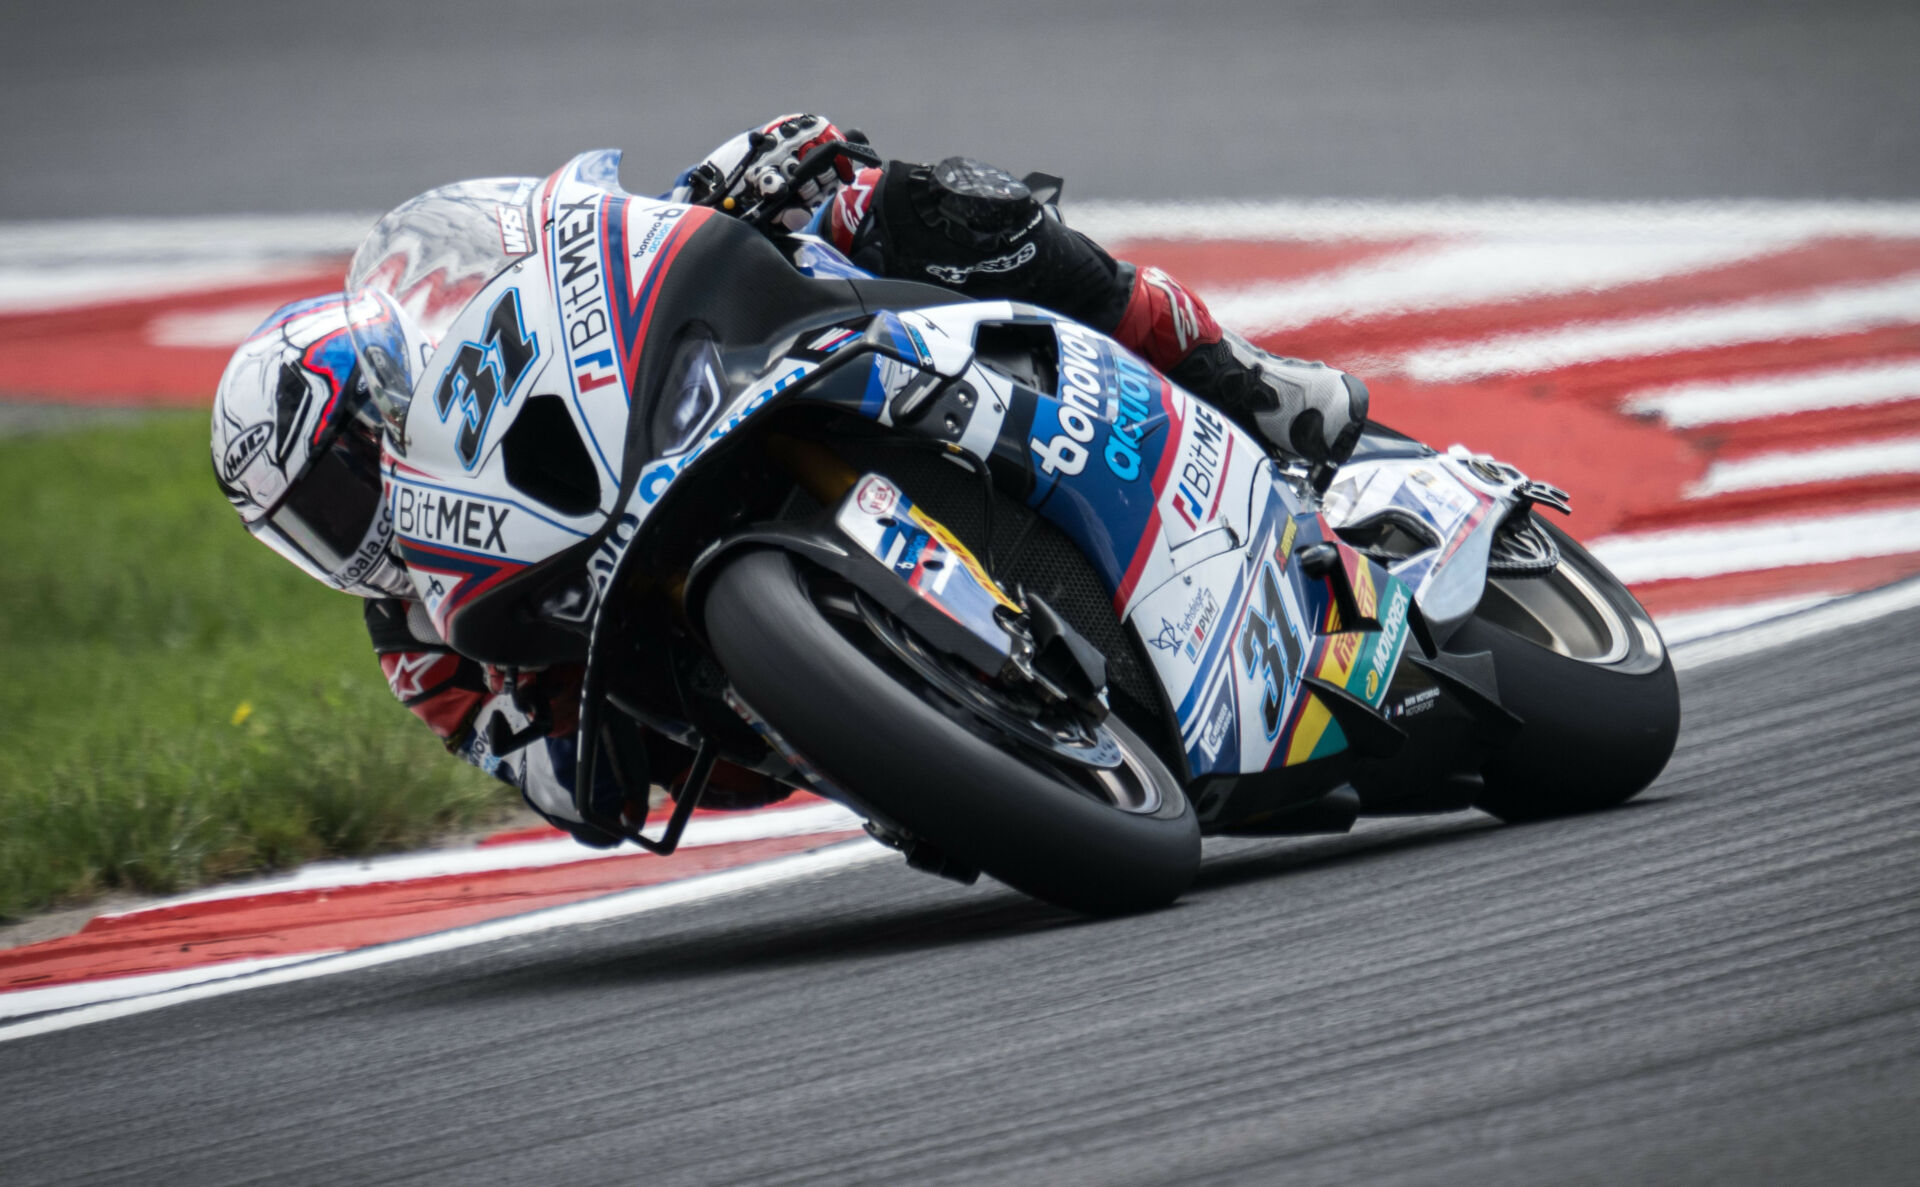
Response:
column 1003, row 810
column 1580, row 662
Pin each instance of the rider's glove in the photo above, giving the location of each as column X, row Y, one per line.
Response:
column 760, row 164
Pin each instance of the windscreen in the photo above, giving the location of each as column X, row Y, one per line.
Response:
column 417, row 269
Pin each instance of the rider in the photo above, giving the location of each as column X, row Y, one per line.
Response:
column 296, row 439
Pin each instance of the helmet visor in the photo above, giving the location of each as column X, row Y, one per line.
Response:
column 328, row 523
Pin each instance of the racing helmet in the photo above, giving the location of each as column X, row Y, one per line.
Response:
column 296, row 449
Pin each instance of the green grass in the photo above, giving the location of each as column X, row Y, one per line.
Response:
column 177, row 704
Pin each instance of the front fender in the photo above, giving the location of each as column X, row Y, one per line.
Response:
column 880, row 542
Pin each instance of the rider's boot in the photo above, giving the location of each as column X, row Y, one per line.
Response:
column 1301, row 409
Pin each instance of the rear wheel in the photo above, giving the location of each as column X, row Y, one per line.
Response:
column 1580, row 662
column 936, row 758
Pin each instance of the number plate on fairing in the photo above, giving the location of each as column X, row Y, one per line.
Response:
column 1233, row 637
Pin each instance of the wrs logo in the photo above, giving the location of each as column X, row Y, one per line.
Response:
column 485, row 375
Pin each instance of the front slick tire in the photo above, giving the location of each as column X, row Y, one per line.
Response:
column 920, row 761
column 1580, row 662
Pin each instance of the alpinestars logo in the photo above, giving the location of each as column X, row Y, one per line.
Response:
column 947, row 274
column 1186, row 322
column 485, row 374
column 408, row 669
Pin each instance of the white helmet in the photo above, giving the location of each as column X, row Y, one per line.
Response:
column 296, row 448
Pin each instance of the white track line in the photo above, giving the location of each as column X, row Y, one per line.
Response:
column 1472, row 273
column 1748, row 546
column 525, row 855
column 1795, row 628
column 1686, row 406
column 624, row 905
column 202, row 237
column 47, row 266
column 22, row 1003
column 35, row 290
column 1839, row 310
column 1690, row 625
column 1865, row 459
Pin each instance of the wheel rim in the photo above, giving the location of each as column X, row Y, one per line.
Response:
column 1129, row 787
column 1563, row 610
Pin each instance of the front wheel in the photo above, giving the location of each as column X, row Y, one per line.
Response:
column 1099, row 841
column 1580, row 662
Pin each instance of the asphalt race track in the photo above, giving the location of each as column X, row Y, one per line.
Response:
column 1714, row 984
column 1719, row 983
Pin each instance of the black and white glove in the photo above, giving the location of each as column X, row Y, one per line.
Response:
column 758, row 174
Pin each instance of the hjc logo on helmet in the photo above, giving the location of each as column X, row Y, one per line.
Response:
column 241, row 451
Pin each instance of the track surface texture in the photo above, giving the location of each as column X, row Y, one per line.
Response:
column 123, row 107
column 1712, row 985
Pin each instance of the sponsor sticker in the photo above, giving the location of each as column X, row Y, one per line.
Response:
column 1194, row 487
column 582, row 298
column 1387, row 644
column 1085, row 408
column 514, row 239
column 1216, row 731
column 422, row 513
column 1416, row 704
column 606, row 558
column 1189, row 635
column 957, row 275
column 920, row 348
column 876, row 496
column 661, row 221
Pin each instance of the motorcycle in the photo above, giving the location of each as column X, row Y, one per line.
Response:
column 969, row 568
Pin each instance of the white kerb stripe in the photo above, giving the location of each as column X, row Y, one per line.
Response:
column 1795, row 628
column 215, row 328
column 1471, row 273
column 1747, row 547
column 203, row 238
column 1866, row 459
column 20, row 1003
column 1689, row 625
column 1827, row 312
column 36, row 290
column 844, row 855
column 523, row 855
column 1686, row 405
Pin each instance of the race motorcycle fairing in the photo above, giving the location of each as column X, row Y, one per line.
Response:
column 596, row 352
